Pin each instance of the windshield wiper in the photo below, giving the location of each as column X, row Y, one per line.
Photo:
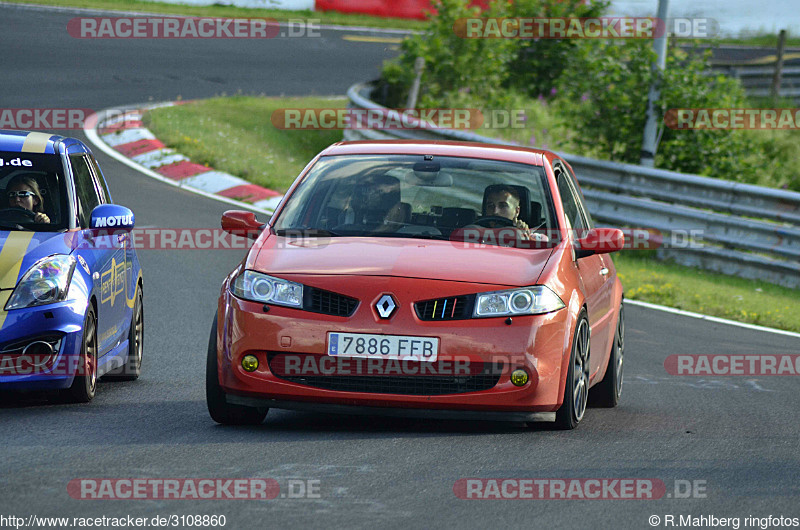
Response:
column 306, row 232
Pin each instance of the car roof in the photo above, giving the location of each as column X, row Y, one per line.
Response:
column 441, row 148
column 38, row 142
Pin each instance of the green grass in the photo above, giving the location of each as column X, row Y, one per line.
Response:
column 766, row 40
column 324, row 17
column 691, row 289
column 236, row 135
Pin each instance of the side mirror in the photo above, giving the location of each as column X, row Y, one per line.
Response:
column 599, row 241
column 241, row 223
column 111, row 217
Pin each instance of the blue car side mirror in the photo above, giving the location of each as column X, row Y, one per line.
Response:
column 112, row 217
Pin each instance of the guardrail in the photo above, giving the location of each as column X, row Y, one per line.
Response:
column 748, row 231
column 757, row 80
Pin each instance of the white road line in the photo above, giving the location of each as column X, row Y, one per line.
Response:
column 126, row 136
column 213, row 181
column 711, row 319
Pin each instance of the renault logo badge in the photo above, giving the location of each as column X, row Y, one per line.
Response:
column 386, row 306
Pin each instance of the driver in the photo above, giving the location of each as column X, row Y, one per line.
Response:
column 23, row 192
column 503, row 201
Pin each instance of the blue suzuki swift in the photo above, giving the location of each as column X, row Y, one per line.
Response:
column 70, row 280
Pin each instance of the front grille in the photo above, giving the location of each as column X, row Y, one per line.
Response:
column 481, row 377
column 452, row 308
column 328, row 303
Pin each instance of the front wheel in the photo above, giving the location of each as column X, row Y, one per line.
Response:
column 576, row 389
column 218, row 407
column 608, row 391
column 84, row 386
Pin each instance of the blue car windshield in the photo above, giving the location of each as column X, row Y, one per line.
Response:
column 33, row 192
column 414, row 196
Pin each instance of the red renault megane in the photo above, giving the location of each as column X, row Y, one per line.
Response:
column 437, row 279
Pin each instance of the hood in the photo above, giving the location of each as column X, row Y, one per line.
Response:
column 19, row 250
column 406, row 258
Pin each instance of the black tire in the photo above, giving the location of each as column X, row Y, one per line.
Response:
column 84, row 386
column 576, row 389
column 132, row 368
column 608, row 391
column 218, row 407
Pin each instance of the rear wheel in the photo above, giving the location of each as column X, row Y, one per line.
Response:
column 133, row 365
column 608, row 391
column 576, row 389
column 218, row 407
column 84, row 386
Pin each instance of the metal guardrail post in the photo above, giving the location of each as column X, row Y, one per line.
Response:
column 776, row 80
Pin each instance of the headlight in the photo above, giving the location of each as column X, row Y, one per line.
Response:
column 523, row 301
column 258, row 287
column 46, row 282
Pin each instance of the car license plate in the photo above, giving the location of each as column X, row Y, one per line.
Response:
column 424, row 349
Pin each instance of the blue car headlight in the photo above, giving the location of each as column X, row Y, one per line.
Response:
column 258, row 287
column 534, row 300
column 46, row 282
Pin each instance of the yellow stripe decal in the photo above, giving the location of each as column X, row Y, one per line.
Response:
column 35, row 142
column 363, row 38
column 10, row 260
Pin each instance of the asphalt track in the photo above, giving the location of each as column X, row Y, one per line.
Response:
column 738, row 434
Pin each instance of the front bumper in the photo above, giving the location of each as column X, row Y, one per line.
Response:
column 31, row 369
column 536, row 344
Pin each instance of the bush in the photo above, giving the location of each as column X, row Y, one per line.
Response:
column 609, row 83
column 457, row 70
column 538, row 64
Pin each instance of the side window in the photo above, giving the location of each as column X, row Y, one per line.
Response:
column 572, row 210
column 105, row 197
column 579, row 198
column 84, row 188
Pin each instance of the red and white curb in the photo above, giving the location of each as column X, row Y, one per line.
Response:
column 124, row 137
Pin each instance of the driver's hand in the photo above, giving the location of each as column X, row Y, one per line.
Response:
column 525, row 232
column 522, row 226
column 41, row 218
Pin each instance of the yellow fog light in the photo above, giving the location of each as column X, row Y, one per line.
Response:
column 250, row 363
column 519, row 377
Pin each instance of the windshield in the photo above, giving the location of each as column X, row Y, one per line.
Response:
column 415, row 196
column 32, row 192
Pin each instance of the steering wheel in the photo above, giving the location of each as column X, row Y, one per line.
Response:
column 15, row 214
column 493, row 219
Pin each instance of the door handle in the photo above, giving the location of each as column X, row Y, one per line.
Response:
column 604, row 271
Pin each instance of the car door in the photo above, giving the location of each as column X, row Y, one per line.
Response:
column 105, row 255
column 592, row 270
